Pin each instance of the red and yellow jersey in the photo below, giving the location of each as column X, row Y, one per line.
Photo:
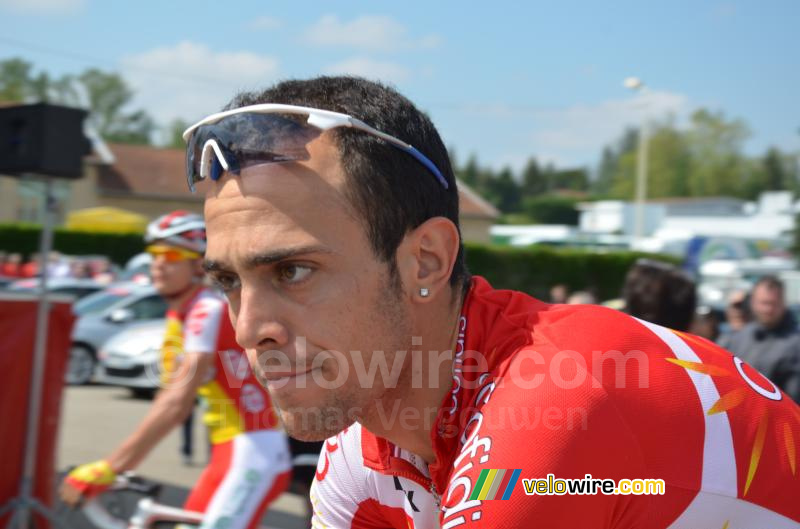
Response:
column 234, row 400
column 573, row 391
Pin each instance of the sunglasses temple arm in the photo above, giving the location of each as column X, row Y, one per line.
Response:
column 410, row 149
column 421, row 158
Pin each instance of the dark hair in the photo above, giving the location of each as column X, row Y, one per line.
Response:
column 660, row 293
column 391, row 191
column 770, row 282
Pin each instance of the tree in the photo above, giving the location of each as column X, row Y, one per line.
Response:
column 16, row 82
column 504, row 192
column 623, row 186
column 605, row 172
column 175, row 133
column 570, row 180
column 533, row 181
column 669, row 163
column 552, row 210
column 705, row 160
column 615, row 175
column 776, row 175
column 716, row 150
column 469, row 173
column 105, row 95
column 796, row 236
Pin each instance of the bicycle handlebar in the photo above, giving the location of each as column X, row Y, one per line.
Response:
column 135, row 483
column 147, row 510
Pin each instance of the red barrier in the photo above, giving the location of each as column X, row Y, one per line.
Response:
column 17, row 337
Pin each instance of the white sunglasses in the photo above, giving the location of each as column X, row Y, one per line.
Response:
column 255, row 134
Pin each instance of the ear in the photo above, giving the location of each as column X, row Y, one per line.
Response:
column 425, row 258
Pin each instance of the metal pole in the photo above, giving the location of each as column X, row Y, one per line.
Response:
column 641, row 182
column 39, row 357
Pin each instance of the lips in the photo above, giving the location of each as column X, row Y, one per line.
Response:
column 274, row 375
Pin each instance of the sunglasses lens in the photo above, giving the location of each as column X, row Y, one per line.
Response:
column 216, row 169
column 192, row 175
column 170, row 255
column 247, row 140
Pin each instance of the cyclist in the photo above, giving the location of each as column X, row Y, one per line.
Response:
column 250, row 463
column 338, row 247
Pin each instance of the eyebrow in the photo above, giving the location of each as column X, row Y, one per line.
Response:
column 266, row 258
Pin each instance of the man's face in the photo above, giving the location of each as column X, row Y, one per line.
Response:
column 767, row 305
column 310, row 303
column 173, row 277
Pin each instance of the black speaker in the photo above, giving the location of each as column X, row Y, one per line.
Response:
column 44, row 139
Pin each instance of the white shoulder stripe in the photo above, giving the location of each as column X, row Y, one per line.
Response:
column 719, row 460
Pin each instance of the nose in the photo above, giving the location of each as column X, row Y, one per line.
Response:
column 257, row 321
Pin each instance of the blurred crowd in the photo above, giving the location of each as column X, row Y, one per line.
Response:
column 98, row 268
column 756, row 325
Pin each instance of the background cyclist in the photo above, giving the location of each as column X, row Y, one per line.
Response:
column 250, row 463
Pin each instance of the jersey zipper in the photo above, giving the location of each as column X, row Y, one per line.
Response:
column 437, row 499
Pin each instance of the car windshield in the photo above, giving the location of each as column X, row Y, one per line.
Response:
column 99, row 301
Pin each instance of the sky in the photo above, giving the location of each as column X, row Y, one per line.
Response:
column 503, row 80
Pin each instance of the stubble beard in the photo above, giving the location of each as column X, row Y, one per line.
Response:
column 339, row 408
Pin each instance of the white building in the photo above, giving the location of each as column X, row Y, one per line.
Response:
column 770, row 218
column 618, row 217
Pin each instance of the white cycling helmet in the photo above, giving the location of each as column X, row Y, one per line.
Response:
column 180, row 228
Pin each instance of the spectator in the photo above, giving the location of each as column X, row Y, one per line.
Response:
column 102, row 272
column 559, row 293
column 11, row 268
column 32, row 267
column 58, row 265
column 660, row 293
column 770, row 343
column 706, row 323
column 581, row 297
column 736, row 313
column 80, row 269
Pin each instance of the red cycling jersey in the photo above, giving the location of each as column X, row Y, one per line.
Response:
column 234, row 400
column 570, row 391
column 250, row 463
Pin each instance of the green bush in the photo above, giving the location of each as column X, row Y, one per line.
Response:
column 535, row 270
column 24, row 239
column 550, row 209
column 531, row 270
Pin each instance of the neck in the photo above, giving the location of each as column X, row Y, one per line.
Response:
column 175, row 302
column 406, row 414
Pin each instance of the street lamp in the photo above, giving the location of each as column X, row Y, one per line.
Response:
column 636, row 84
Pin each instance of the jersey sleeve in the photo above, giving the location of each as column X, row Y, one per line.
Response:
column 202, row 325
column 346, row 494
column 338, row 489
column 549, row 429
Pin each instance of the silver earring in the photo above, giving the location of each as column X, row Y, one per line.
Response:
column 424, row 292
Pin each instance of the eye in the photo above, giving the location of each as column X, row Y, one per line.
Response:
column 293, row 273
column 226, row 283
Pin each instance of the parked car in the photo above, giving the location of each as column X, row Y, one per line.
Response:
column 104, row 314
column 131, row 358
column 78, row 288
column 137, row 268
